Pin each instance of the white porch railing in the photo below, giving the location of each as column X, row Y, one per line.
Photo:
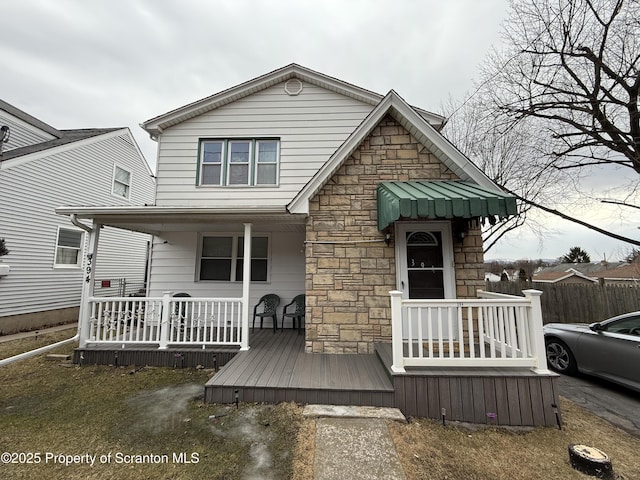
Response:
column 165, row 321
column 494, row 331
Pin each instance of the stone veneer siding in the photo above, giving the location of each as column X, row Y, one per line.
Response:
column 347, row 285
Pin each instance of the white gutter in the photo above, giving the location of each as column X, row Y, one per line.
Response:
column 38, row 351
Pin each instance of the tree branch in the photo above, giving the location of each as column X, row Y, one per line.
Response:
column 574, row 220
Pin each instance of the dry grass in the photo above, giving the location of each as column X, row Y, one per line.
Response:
column 46, row 407
column 15, row 347
column 430, row 451
column 100, row 410
column 304, row 454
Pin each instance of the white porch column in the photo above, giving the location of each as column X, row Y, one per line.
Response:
column 535, row 331
column 88, row 285
column 246, row 283
column 165, row 320
column 396, row 331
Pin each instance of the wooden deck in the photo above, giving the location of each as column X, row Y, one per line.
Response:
column 276, row 369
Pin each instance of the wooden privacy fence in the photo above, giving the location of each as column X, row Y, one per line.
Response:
column 576, row 303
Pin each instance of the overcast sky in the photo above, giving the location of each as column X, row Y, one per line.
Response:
column 99, row 63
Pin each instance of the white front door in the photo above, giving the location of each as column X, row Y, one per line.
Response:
column 424, row 258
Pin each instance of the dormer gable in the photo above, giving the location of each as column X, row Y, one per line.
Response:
column 394, row 106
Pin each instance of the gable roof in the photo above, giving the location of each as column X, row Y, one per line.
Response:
column 156, row 125
column 25, row 117
column 585, row 268
column 555, row 277
column 629, row 271
column 65, row 137
column 392, row 104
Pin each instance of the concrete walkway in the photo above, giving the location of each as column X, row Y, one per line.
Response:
column 354, row 443
column 41, row 331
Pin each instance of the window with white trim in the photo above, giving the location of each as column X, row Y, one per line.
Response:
column 121, row 182
column 239, row 162
column 222, row 258
column 69, row 248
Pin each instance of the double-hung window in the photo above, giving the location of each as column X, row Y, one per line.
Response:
column 121, row 182
column 239, row 162
column 68, row 248
column 222, row 258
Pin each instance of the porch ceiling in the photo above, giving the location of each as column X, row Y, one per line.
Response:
column 440, row 199
column 154, row 220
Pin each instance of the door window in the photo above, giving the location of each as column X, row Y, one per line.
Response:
column 425, row 266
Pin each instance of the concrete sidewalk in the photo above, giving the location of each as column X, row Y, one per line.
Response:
column 354, row 443
column 42, row 331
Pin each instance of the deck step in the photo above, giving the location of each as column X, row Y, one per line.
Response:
column 57, row 357
column 277, row 369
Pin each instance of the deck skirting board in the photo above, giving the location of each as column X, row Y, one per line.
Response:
column 516, row 401
column 500, row 396
column 248, row 394
column 174, row 358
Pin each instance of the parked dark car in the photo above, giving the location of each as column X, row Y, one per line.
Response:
column 609, row 349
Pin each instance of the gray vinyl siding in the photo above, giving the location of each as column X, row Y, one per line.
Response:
column 174, row 266
column 22, row 134
column 29, row 194
column 310, row 126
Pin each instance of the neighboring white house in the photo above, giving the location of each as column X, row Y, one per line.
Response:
column 42, row 168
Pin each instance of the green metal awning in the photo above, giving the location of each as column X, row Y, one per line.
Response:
column 440, row 200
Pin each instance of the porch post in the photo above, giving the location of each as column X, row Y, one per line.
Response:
column 88, row 285
column 535, row 331
column 396, row 331
column 246, row 283
column 165, row 320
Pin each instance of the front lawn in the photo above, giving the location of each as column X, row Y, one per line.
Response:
column 148, row 423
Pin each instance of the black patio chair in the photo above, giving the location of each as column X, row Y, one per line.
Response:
column 180, row 310
column 298, row 312
column 270, row 304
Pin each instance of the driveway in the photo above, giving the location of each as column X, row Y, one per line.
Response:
column 618, row 405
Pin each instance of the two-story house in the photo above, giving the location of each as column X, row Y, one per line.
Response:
column 350, row 198
column 42, row 168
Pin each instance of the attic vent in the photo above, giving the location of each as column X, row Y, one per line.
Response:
column 293, row 86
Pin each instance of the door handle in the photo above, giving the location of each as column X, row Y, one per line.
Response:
column 402, row 286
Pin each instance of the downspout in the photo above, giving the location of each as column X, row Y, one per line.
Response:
column 74, row 220
column 37, row 351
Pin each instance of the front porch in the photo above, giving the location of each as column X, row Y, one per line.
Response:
column 474, row 360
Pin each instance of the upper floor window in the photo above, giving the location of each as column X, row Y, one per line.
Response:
column 68, row 248
column 121, row 182
column 239, row 162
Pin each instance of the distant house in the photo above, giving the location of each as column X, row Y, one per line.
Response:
column 626, row 274
column 569, row 276
column 42, row 168
column 491, row 277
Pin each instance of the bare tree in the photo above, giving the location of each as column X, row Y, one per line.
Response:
column 510, row 153
column 576, row 65
column 557, row 100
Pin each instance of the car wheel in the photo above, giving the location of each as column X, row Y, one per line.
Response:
column 560, row 357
